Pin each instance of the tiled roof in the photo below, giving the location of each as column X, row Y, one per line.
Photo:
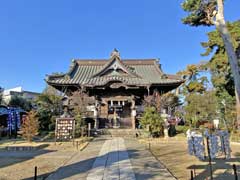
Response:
column 85, row 72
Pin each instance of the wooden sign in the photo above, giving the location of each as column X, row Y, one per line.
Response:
column 65, row 128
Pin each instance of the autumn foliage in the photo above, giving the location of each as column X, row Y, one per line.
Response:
column 30, row 126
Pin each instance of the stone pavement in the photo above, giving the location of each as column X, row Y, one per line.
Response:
column 145, row 165
column 113, row 159
column 78, row 166
column 112, row 162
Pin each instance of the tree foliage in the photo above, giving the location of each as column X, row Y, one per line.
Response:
column 152, row 120
column 200, row 103
column 51, row 102
column 170, row 101
column 226, row 108
column 20, row 102
column 1, row 95
column 166, row 101
column 50, row 90
column 78, row 102
column 218, row 65
column 30, row 126
column 194, row 81
column 201, row 12
column 153, row 100
column 210, row 12
column 200, row 107
column 49, row 107
column 221, row 74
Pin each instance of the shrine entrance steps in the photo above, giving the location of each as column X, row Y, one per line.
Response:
column 131, row 133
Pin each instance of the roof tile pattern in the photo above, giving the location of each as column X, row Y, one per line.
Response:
column 83, row 72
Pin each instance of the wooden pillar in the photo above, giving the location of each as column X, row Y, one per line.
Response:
column 148, row 90
column 115, row 118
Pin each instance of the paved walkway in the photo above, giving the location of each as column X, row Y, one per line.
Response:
column 113, row 159
column 145, row 165
column 112, row 162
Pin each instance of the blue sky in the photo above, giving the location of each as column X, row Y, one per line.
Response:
column 42, row 36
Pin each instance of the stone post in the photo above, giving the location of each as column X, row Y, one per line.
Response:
column 133, row 118
column 95, row 114
column 133, row 114
column 165, row 131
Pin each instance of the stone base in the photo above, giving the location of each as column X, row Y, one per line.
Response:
column 166, row 133
column 116, row 127
column 25, row 147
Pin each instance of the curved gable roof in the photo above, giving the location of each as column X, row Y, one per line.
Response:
column 115, row 63
column 92, row 72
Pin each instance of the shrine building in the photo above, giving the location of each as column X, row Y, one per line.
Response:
column 116, row 87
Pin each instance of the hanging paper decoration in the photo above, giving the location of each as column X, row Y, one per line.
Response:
column 218, row 143
column 9, row 121
column 213, row 144
column 18, row 117
column 13, row 120
column 195, row 145
column 190, row 142
column 224, row 147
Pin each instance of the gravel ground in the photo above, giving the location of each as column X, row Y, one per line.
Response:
column 20, row 165
column 173, row 153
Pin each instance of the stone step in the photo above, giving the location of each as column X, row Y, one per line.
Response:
column 120, row 132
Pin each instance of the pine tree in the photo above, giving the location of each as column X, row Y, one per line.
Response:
column 49, row 105
column 220, row 70
column 211, row 12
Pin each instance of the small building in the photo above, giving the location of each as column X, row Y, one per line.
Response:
column 10, row 120
column 18, row 91
column 116, row 87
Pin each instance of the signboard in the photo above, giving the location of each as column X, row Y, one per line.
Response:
column 117, row 108
column 65, row 128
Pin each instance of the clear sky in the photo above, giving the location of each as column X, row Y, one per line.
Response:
column 39, row 37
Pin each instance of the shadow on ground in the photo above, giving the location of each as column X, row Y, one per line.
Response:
column 9, row 157
column 221, row 168
column 80, row 169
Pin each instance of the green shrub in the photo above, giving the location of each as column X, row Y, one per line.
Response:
column 152, row 121
column 182, row 129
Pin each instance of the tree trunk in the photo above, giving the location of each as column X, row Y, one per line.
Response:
column 232, row 57
column 237, row 109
